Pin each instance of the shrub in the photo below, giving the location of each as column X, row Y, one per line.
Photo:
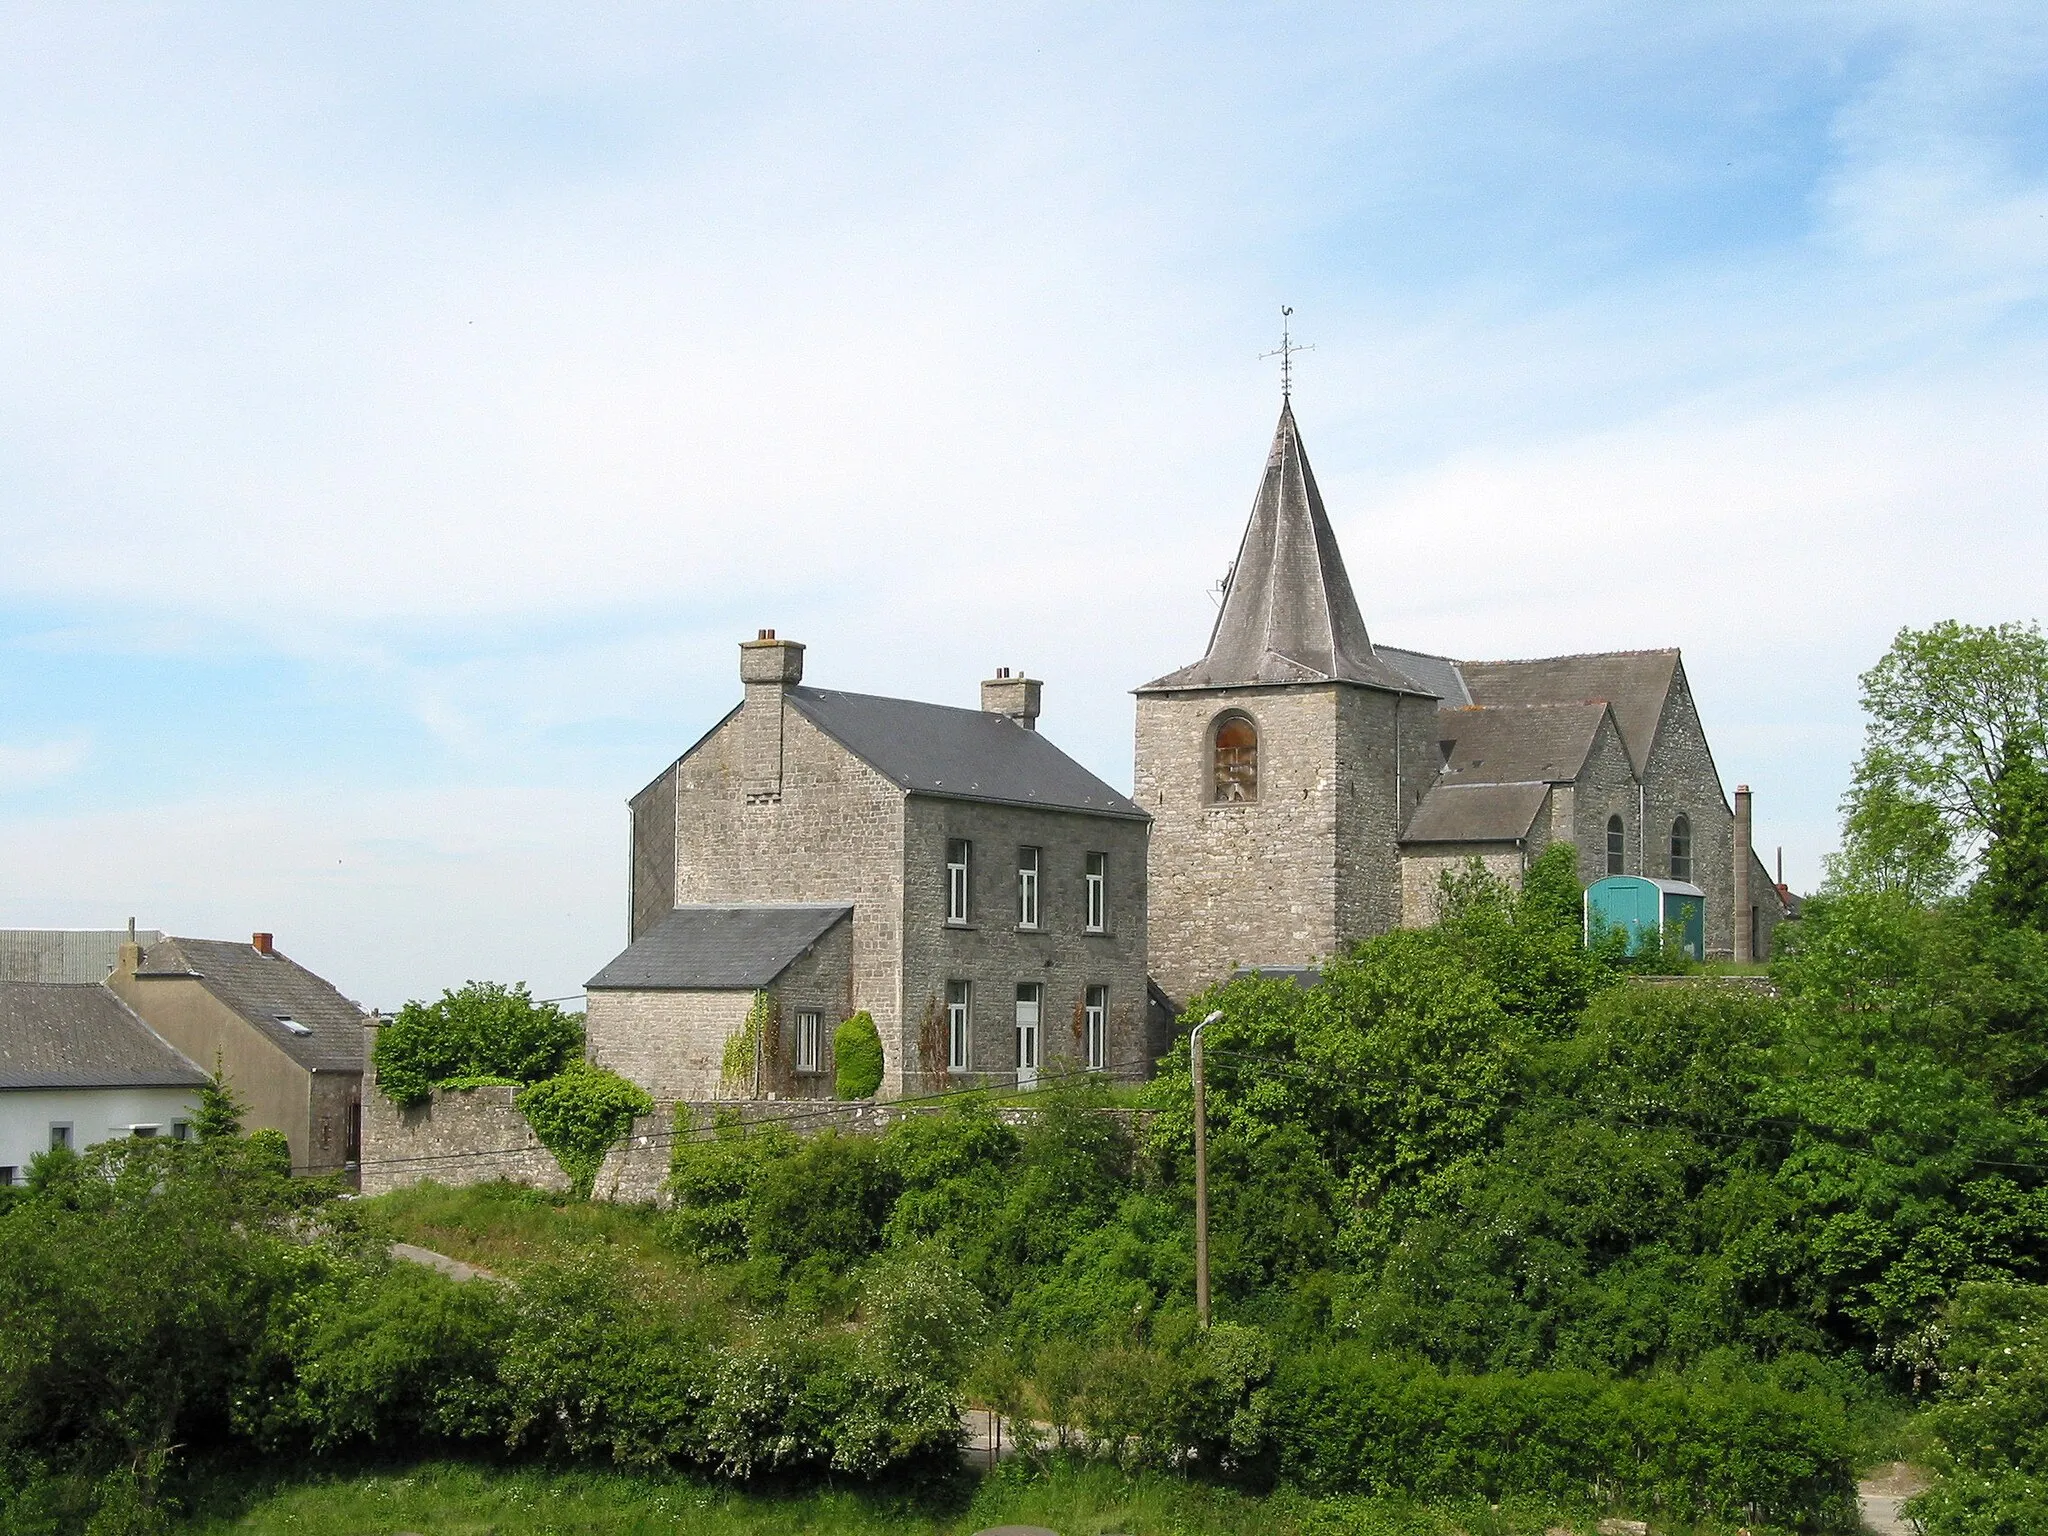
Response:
column 1992, row 1417
column 486, row 1030
column 579, row 1114
column 712, row 1181
column 823, row 1203
column 857, row 1056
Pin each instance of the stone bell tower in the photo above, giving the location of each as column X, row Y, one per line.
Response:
column 1279, row 769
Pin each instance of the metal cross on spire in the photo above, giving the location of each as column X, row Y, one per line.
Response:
column 1285, row 352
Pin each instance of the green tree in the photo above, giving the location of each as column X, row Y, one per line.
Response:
column 580, row 1114
column 857, row 1057
column 1943, row 708
column 485, row 1030
column 220, row 1108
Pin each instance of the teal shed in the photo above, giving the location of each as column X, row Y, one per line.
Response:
column 1644, row 907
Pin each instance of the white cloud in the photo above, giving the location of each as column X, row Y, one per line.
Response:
column 33, row 767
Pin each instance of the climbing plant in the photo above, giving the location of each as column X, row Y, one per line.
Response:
column 580, row 1114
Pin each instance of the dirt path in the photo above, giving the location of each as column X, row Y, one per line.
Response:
column 454, row 1269
column 1879, row 1496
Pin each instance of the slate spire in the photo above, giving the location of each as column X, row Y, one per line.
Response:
column 1288, row 613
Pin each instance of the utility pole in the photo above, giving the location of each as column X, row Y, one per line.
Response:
column 1201, row 1172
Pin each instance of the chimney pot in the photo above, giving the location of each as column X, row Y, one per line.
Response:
column 766, row 634
column 261, row 943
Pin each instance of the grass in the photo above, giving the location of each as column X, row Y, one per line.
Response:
column 468, row 1499
column 502, row 1226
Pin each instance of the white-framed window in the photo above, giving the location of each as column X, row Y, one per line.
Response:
column 1617, row 845
column 1029, row 995
column 60, row 1135
column 810, row 1035
column 1095, row 1015
column 1098, row 900
column 959, row 1015
column 1027, row 887
column 958, row 852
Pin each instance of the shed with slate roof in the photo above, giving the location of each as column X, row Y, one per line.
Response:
column 996, row 886
column 289, row 1043
column 78, row 1067
column 663, row 1011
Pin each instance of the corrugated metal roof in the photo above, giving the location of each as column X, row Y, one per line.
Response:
column 739, row 947
column 79, row 1035
column 64, row 954
column 965, row 754
column 1476, row 813
column 1289, row 614
column 1518, row 743
column 267, row 990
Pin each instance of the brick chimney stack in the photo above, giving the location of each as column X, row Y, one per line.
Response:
column 1014, row 695
column 1740, row 924
column 260, row 942
column 768, row 668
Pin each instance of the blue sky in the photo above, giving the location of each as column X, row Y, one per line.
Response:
column 404, row 410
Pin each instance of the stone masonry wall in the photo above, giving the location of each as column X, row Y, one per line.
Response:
column 994, row 955
column 671, row 1043
column 1422, row 874
column 1248, row 884
column 834, row 834
column 1606, row 787
column 651, row 860
column 1681, row 779
column 1387, row 760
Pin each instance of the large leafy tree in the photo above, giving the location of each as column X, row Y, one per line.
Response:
column 1952, row 712
column 486, row 1030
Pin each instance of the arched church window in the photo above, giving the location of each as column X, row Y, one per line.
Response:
column 1617, row 845
column 1681, row 849
column 1237, row 760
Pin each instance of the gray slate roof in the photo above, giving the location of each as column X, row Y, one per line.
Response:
column 1475, row 813
column 1518, row 743
column 964, row 754
column 79, row 1035
column 1432, row 674
column 265, row 989
column 720, row 948
column 1635, row 683
column 64, row 954
column 1289, row 615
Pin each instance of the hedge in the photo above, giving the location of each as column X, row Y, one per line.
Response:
column 1349, row 1421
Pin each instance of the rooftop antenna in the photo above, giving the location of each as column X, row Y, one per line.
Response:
column 1285, row 352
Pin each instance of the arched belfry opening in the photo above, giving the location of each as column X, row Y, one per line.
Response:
column 1235, row 758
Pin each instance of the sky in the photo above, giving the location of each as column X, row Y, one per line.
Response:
column 405, row 410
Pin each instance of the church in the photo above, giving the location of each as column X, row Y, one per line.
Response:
column 1000, row 912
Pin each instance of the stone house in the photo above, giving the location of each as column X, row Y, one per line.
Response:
column 289, row 1044
column 996, row 887
column 78, row 1067
column 1309, row 788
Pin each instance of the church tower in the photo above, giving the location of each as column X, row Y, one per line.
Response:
column 1281, row 768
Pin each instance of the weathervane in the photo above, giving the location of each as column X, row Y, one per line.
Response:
column 1285, row 352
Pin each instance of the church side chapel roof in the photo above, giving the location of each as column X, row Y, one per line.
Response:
column 79, row 1035
column 273, row 993
column 736, row 948
column 1634, row 683
column 961, row 754
column 1475, row 813
column 1289, row 615
column 1518, row 743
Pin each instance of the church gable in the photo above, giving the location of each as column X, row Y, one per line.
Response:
column 1635, row 684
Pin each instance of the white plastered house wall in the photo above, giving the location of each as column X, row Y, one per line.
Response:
column 92, row 1115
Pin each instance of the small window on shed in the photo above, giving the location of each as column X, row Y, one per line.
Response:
column 1237, row 760
column 1617, row 845
column 1681, row 849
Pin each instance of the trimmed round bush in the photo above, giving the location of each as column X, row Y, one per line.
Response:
column 857, row 1053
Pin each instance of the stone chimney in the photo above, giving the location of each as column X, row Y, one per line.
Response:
column 131, row 953
column 1739, row 919
column 768, row 668
column 1014, row 695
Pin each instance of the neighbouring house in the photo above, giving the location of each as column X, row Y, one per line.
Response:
column 664, row 1012
column 290, row 1045
column 996, row 888
column 78, row 1067
column 65, row 954
column 1309, row 788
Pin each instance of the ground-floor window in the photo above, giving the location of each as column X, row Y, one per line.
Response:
column 1029, row 995
column 60, row 1135
column 810, row 1030
column 959, row 996
column 1096, row 1018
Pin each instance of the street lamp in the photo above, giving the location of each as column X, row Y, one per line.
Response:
column 1201, row 1172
